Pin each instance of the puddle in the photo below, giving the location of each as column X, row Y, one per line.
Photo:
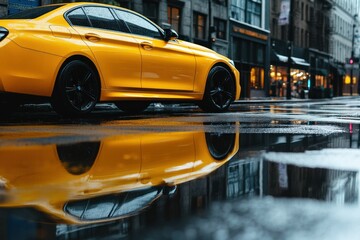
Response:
column 219, row 181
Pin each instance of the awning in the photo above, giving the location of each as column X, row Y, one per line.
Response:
column 282, row 58
column 295, row 60
column 300, row 61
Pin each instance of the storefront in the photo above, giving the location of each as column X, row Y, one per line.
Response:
column 299, row 71
column 251, row 56
column 321, row 84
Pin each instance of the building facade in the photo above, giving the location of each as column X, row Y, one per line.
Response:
column 344, row 43
column 3, row 7
column 325, row 35
column 249, row 34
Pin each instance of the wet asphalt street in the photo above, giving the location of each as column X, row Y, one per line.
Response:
column 264, row 170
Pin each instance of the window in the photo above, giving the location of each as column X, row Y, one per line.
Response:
column 221, row 2
column 139, row 25
column 151, row 10
column 302, row 11
column 174, row 18
column 248, row 11
column 199, row 25
column 101, row 17
column 220, row 26
column 77, row 17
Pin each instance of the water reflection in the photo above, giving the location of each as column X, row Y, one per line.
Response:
column 173, row 175
column 111, row 179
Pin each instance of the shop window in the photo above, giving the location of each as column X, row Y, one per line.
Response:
column 319, row 80
column 220, row 26
column 257, row 78
column 199, row 25
column 151, row 10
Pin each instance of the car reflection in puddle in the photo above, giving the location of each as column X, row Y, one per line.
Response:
column 259, row 184
column 115, row 178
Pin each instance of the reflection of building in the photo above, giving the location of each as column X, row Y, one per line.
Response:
column 244, row 178
column 316, row 183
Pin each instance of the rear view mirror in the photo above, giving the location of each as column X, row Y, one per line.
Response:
column 170, row 34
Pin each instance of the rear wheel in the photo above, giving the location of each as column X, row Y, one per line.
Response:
column 77, row 89
column 132, row 106
column 219, row 91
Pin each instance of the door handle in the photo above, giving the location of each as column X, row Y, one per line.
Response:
column 146, row 45
column 92, row 37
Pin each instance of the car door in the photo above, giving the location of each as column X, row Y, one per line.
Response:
column 116, row 51
column 166, row 65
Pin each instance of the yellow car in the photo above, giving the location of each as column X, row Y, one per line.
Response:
column 79, row 54
column 65, row 180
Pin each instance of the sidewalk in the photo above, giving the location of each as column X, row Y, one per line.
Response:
column 292, row 100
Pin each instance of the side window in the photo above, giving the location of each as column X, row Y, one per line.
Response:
column 139, row 25
column 77, row 17
column 101, row 17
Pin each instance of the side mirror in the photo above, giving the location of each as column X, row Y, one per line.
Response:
column 170, row 34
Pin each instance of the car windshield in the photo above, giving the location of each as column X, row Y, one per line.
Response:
column 32, row 13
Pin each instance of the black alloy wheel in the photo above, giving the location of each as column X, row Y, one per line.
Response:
column 132, row 106
column 219, row 91
column 77, row 89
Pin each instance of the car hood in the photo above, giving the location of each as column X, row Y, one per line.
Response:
column 194, row 46
column 202, row 49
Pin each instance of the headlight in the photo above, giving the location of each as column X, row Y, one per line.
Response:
column 3, row 33
column 232, row 62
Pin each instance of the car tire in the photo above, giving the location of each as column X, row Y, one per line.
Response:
column 132, row 106
column 77, row 89
column 219, row 91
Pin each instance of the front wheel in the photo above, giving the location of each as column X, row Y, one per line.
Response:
column 77, row 89
column 219, row 92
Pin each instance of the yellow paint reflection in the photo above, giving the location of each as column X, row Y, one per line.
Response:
column 50, row 177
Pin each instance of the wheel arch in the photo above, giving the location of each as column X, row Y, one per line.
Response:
column 83, row 59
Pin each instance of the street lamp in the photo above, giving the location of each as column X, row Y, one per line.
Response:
column 352, row 57
column 289, row 50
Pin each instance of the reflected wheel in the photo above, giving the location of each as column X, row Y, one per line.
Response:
column 219, row 91
column 77, row 89
column 220, row 144
column 78, row 158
